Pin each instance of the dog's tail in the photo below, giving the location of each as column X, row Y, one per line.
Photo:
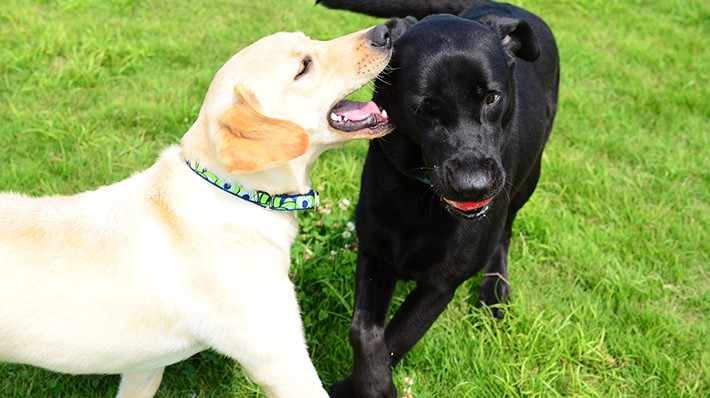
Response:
column 402, row 8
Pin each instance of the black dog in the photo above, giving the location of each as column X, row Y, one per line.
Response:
column 473, row 97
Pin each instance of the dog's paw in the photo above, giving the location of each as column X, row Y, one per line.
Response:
column 342, row 389
column 369, row 389
column 494, row 291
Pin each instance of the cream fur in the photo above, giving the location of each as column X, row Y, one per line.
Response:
column 146, row 272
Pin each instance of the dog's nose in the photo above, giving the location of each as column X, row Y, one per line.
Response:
column 380, row 37
column 474, row 181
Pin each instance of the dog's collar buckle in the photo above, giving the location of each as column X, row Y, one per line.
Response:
column 304, row 201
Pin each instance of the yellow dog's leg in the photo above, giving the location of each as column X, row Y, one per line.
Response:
column 140, row 384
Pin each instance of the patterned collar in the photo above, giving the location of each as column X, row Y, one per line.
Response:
column 304, row 201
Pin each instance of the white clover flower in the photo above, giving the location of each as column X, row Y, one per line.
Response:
column 408, row 391
column 347, row 234
column 350, row 226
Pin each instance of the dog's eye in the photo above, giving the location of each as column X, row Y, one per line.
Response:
column 303, row 69
column 492, row 99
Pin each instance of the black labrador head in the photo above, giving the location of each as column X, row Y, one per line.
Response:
column 450, row 92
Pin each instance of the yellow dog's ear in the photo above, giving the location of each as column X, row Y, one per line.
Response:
column 249, row 141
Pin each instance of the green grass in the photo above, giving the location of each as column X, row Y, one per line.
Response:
column 609, row 266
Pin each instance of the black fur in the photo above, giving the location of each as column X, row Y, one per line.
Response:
column 402, row 8
column 473, row 97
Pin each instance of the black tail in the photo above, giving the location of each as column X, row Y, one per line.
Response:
column 402, row 8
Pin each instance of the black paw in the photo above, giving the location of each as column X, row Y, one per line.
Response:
column 371, row 389
column 342, row 389
column 494, row 291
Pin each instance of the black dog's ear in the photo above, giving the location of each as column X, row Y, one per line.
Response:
column 398, row 26
column 517, row 37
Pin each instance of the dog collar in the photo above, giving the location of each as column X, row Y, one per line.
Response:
column 304, row 201
column 425, row 181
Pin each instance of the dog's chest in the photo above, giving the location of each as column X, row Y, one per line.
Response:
column 409, row 229
column 413, row 235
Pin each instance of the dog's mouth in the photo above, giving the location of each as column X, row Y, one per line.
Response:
column 361, row 118
column 469, row 209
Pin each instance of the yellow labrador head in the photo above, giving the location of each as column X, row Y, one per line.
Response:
column 282, row 98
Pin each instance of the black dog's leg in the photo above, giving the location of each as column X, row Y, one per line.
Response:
column 372, row 376
column 416, row 315
column 376, row 354
column 494, row 286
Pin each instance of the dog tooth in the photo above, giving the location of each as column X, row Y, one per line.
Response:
column 333, row 116
column 384, row 113
column 345, row 119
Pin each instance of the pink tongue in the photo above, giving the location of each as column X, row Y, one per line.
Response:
column 468, row 206
column 357, row 110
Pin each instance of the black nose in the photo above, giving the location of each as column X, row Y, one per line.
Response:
column 474, row 180
column 380, row 37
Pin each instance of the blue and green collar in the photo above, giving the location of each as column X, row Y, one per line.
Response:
column 304, row 201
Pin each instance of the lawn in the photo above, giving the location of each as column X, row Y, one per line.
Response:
column 609, row 264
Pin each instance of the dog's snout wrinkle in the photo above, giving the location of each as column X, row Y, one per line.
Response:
column 380, row 37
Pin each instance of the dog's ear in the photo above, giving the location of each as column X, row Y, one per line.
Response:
column 517, row 37
column 249, row 141
column 398, row 26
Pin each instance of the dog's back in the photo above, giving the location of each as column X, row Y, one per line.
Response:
column 403, row 8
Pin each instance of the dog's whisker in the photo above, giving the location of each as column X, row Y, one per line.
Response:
column 420, row 168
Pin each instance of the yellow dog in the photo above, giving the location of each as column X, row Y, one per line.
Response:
column 192, row 253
